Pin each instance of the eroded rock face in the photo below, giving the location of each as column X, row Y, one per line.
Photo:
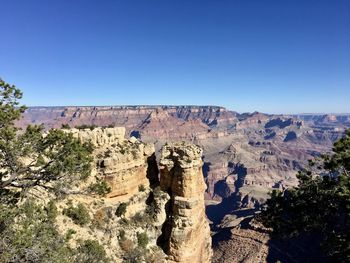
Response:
column 242, row 245
column 124, row 164
column 100, row 136
column 186, row 232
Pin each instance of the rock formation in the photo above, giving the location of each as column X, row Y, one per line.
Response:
column 125, row 164
column 187, row 233
column 100, row 137
column 169, row 212
column 250, row 242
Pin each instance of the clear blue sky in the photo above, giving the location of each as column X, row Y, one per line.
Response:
column 268, row 55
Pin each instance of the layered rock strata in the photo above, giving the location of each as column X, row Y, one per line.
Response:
column 186, row 233
column 124, row 164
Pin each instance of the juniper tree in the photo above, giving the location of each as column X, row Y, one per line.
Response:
column 31, row 157
column 319, row 205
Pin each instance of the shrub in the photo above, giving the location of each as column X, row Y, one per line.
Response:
column 126, row 245
column 139, row 218
column 142, row 239
column 78, row 214
column 122, row 151
column 134, row 153
column 142, row 188
column 151, row 212
column 107, row 153
column 123, row 221
column 84, row 126
column 121, row 210
column 40, row 242
column 51, row 210
column 70, row 234
column 121, row 234
column 100, row 218
column 90, row 251
column 158, row 193
column 135, row 255
column 100, row 187
column 28, row 236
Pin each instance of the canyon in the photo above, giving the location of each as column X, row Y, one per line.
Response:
column 244, row 157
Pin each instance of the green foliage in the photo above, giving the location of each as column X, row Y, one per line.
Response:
column 70, row 234
column 28, row 234
column 121, row 210
column 84, row 127
column 121, row 235
column 30, row 158
column 90, row 251
column 159, row 193
column 142, row 188
column 9, row 109
column 100, row 187
column 340, row 161
column 126, row 245
column 320, row 204
column 101, row 218
column 51, row 210
column 138, row 219
column 65, row 126
column 79, row 214
column 142, row 240
column 134, row 255
column 123, row 221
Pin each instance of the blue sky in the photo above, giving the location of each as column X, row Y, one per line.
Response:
column 274, row 56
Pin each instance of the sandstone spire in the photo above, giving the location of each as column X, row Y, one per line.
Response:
column 186, row 233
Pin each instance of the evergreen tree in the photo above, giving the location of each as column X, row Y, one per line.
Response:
column 29, row 158
column 320, row 205
column 32, row 157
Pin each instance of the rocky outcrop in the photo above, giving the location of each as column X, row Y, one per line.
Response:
column 250, row 242
column 100, row 137
column 186, row 233
column 124, row 164
column 242, row 245
column 127, row 166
